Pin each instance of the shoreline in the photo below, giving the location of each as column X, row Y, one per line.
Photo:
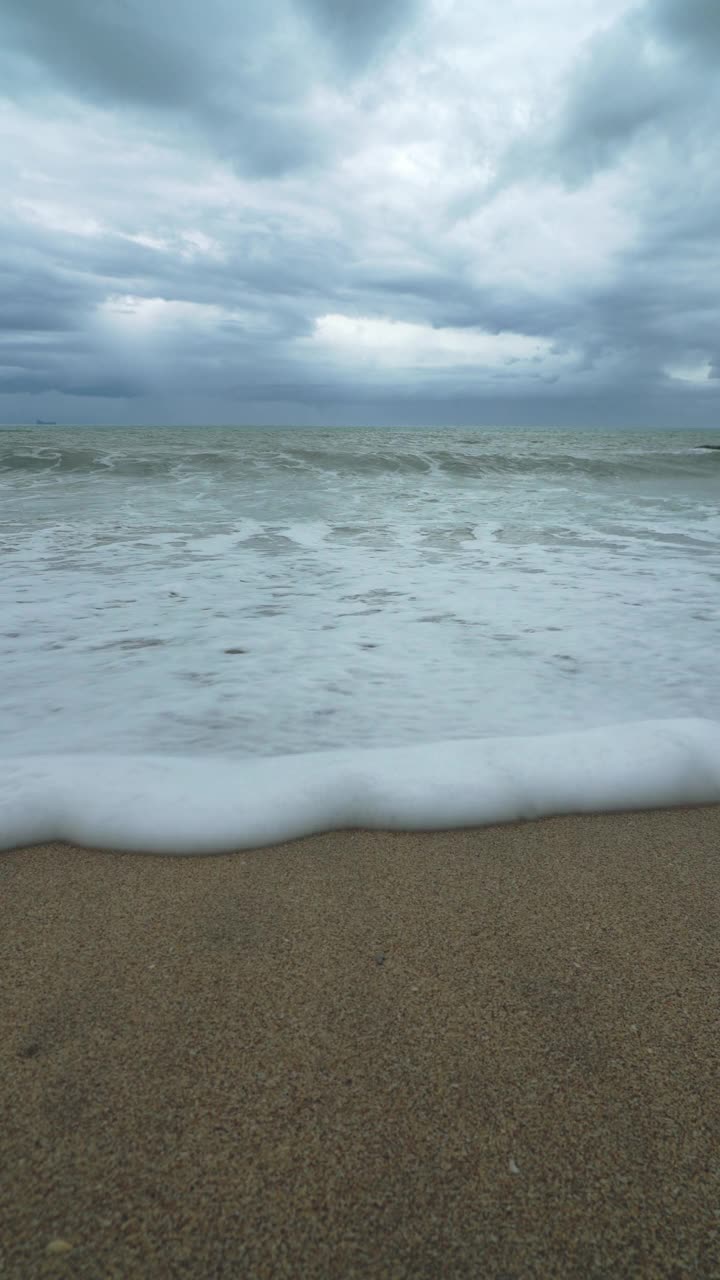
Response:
column 479, row 1051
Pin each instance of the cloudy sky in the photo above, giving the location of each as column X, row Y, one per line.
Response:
column 360, row 211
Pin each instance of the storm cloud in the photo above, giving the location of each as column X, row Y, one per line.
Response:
column 314, row 211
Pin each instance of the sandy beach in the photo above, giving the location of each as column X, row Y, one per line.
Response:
column 486, row 1053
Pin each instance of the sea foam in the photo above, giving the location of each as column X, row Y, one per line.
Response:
column 204, row 805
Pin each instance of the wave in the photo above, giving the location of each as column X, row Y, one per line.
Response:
column 73, row 461
column 160, row 462
column 178, row 805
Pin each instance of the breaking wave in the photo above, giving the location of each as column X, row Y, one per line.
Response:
column 243, row 453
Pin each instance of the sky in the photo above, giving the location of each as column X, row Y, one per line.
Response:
column 319, row 212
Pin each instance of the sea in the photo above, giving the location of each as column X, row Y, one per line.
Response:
column 215, row 596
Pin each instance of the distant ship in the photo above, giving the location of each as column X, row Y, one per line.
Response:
column 44, row 422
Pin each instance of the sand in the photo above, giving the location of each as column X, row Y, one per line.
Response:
column 485, row 1053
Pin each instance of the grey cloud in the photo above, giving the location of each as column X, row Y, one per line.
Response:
column 637, row 321
column 359, row 30
column 614, row 96
column 236, row 76
column 110, row 50
column 694, row 22
column 293, row 246
column 50, row 339
column 34, row 302
column 194, row 66
column 652, row 74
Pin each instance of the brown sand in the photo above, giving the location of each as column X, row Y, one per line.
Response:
column 487, row 1053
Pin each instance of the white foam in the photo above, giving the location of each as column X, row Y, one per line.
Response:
column 179, row 805
column 309, row 534
column 278, row 592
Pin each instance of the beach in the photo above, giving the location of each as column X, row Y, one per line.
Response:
column 482, row 1052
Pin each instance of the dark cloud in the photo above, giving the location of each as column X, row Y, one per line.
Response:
column 111, row 49
column 238, row 75
column 693, row 22
column 192, row 191
column 34, row 301
column 654, row 74
column 359, row 30
column 234, row 75
column 615, row 95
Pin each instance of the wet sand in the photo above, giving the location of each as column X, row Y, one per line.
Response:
column 483, row 1053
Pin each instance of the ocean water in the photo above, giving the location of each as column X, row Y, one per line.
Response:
column 228, row 594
